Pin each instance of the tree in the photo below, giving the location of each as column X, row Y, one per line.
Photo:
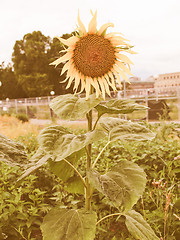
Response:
column 9, row 86
column 30, row 63
column 31, row 58
column 54, row 73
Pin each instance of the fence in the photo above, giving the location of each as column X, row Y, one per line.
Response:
column 39, row 107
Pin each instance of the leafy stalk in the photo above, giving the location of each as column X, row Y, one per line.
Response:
column 88, row 165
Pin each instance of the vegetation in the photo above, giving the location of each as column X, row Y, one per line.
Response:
column 31, row 58
column 13, row 127
column 50, row 192
column 22, row 214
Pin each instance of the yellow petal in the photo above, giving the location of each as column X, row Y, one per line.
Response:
column 82, row 85
column 123, row 58
column 64, row 58
column 70, row 82
column 72, row 76
column 106, row 86
column 118, row 70
column 77, row 81
column 66, row 67
column 102, row 87
column 118, row 78
column 123, row 67
column 87, row 89
column 70, row 70
column 130, row 51
column 113, row 35
column 65, row 79
column 116, row 42
column 94, row 83
column 129, row 66
column 81, row 25
column 93, row 24
column 110, row 82
column 70, row 41
column 104, row 28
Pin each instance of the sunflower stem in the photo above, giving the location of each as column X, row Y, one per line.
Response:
column 88, row 163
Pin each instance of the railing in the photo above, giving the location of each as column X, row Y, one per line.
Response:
column 137, row 94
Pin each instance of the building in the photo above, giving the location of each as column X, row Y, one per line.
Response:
column 136, row 83
column 167, row 80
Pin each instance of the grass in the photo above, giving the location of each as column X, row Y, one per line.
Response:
column 13, row 128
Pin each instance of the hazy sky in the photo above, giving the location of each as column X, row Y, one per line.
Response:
column 153, row 27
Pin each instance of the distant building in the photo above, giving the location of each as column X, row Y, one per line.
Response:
column 167, row 80
column 137, row 83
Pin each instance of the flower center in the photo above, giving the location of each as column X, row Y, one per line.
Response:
column 93, row 55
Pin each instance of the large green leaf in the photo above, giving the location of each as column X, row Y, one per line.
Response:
column 62, row 169
column 71, row 107
column 69, row 224
column 12, row 153
column 58, row 141
column 123, row 185
column 138, row 227
column 119, row 106
column 35, row 162
column 119, row 129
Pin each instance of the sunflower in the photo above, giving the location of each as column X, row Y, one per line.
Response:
column 94, row 59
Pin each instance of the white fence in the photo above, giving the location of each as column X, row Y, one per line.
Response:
column 39, row 104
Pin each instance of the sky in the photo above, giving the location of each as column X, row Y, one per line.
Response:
column 153, row 27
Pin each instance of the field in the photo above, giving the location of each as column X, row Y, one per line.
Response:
column 23, row 205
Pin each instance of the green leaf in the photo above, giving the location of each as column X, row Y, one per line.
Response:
column 119, row 129
column 74, row 185
column 177, row 204
column 36, row 161
column 12, row 153
column 58, row 141
column 69, row 224
column 62, row 169
column 123, row 185
column 138, row 227
column 71, row 107
column 119, row 106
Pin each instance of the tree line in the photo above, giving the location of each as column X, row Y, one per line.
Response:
column 30, row 74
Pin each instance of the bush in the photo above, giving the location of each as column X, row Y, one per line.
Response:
column 23, row 205
column 22, row 117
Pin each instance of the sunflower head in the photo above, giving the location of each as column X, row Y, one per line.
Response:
column 94, row 59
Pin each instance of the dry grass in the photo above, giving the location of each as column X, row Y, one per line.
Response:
column 12, row 128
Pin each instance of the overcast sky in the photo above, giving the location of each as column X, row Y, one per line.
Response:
column 153, row 27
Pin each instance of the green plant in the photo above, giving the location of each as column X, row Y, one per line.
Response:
column 22, row 117
column 22, row 207
column 160, row 160
column 120, row 187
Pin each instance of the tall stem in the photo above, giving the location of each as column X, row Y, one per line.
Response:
column 88, row 165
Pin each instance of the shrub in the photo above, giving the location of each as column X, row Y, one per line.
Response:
column 22, row 117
